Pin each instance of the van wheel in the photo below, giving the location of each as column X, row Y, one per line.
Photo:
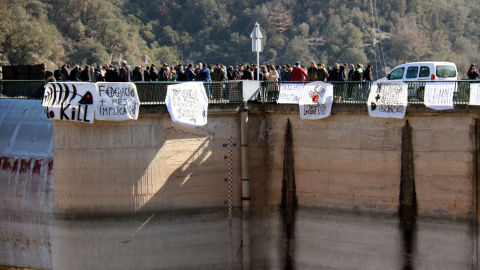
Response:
column 421, row 93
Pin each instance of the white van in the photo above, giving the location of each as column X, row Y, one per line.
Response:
column 431, row 71
column 422, row 71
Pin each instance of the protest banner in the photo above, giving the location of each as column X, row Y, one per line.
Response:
column 316, row 100
column 116, row 101
column 474, row 94
column 439, row 96
column 187, row 103
column 388, row 99
column 70, row 101
column 290, row 93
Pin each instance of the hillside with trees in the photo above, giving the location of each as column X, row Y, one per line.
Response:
column 383, row 33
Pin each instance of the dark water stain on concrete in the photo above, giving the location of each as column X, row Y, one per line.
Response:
column 408, row 200
column 289, row 198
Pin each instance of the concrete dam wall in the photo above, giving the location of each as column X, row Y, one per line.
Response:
column 26, row 185
column 347, row 161
column 334, row 193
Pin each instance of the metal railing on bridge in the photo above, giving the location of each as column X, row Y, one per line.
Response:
column 150, row 93
column 26, row 89
column 153, row 93
column 356, row 92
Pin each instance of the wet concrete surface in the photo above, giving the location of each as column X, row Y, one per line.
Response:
column 200, row 240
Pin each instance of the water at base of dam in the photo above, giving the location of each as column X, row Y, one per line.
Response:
column 204, row 240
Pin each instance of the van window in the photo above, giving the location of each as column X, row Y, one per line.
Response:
column 397, row 73
column 412, row 72
column 424, row 72
column 446, row 71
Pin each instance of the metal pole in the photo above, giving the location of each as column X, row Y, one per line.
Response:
column 257, row 27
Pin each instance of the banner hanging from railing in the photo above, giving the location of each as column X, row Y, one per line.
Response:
column 187, row 103
column 70, row 101
column 439, row 96
column 388, row 99
column 474, row 94
column 290, row 93
column 316, row 100
column 117, row 101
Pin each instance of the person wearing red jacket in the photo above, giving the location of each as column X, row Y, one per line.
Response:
column 298, row 74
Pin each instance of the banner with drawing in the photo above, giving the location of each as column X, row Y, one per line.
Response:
column 388, row 99
column 439, row 96
column 474, row 94
column 290, row 93
column 70, row 101
column 316, row 100
column 117, row 101
column 187, row 103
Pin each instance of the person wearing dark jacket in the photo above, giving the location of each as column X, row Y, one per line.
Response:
column 247, row 73
column 98, row 75
column 358, row 73
column 322, row 73
column 74, row 76
column 231, row 74
column 181, row 74
column 472, row 73
column 111, row 75
column 137, row 74
column 64, row 73
column 189, row 73
column 351, row 72
column 146, row 74
column 163, row 73
column 56, row 74
column 153, row 74
column 49, row 77
column 335, row 74
column 126, row 73
column 312, row 72
column 368, row 75
column 85, row 74
column 218, row 74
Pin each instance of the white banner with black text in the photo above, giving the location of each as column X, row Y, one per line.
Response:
column 68, row 101
column 474, row 94
column 388, row 99
column 290, row 93
column 187, row 103
column 117, row 101
column 439, row 96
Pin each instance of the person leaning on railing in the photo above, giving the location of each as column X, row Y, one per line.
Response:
column 273, row 87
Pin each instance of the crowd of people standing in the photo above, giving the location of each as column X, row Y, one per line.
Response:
column 209, row 73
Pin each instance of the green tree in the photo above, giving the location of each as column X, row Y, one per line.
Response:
column 296, row 50
column 89, row 52
column 166, row 55
column 28, row 38
column 408, row 42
